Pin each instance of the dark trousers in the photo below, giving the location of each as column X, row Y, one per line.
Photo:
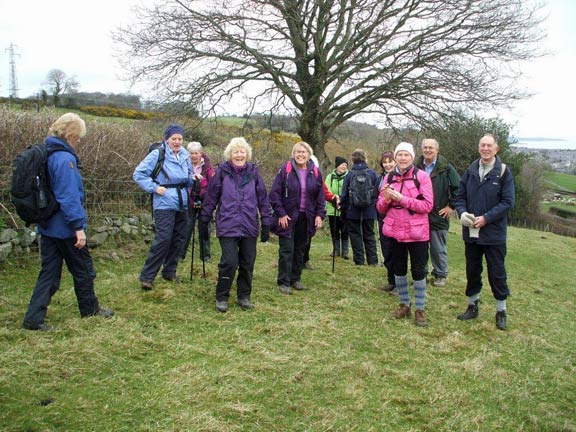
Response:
column 204, row 253
column 386, row 244
column 339, row 234
column 495, row 262
column 363, row 241
column 238, row 253
column 418, row 258
column 291, row 252
column 170, row 227
column 54, row 252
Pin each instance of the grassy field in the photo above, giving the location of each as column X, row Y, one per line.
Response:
column 327, row 359
column 561, row 181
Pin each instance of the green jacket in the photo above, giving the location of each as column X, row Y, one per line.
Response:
column 445, row 183
column 334, row 182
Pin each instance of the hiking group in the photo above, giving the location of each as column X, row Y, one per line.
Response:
column 412, row 199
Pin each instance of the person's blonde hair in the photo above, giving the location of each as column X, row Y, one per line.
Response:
column 359, row 155
column 238, row 142
column 302, row 144
column 67, row 126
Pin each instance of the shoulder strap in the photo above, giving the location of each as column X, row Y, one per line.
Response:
column 415, row 178
column 159, row 163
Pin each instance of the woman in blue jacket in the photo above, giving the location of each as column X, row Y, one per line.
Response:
column 299, row 204
column 170, row 204
column 64, row 234
column 238, row 194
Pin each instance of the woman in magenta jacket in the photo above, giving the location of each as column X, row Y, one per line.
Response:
column 405, row 199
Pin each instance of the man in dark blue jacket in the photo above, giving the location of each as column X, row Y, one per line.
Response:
column 64, row 234
column 484, row 199
column 360, row 218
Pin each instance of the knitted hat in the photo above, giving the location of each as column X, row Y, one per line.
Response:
column 173, row 129
column 340, row 160
column 404, row 146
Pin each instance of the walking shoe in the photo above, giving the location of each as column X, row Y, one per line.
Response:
column 245, row 303
column 403, row 311
column 40, row 327
column 420, row 318
column 471, row 312
column 394, row 292
column 387, row 288
column 345, row 256
column 146, row 286
column 308, row 266
column 222, row 306
column 285, row 289
column 299, row 286
column 439, row 282
column 104, row 313
column 501, row 320
column 172, row 278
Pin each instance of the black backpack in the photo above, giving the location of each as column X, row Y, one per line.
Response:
column 30, row 191
column 361, row 188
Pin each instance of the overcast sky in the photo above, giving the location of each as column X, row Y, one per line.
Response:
column 74, row 36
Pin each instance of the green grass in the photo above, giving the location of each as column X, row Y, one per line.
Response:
column 327, row 359
column 561, row 181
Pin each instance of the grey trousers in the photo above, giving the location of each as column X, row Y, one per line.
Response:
column 439, row 253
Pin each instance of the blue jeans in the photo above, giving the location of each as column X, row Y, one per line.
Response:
column 53, row 252
column 170, row 227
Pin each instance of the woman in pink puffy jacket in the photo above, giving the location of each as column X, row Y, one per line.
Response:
column 405, row 199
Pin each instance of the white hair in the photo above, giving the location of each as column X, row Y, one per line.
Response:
column 194, row 146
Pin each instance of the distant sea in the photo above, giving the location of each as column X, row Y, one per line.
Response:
column 546, row 143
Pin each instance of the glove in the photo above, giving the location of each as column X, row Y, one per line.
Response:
column 467, row 219
column 203, row 230
column 265, row 233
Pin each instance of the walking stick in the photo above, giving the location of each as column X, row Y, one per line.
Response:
column 195, row 213
column 333, row 249
column 201, row 246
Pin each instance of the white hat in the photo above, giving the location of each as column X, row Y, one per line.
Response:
column 404, row 146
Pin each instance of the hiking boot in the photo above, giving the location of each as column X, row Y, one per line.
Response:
column 146, row 286
column 345, row 256
column 387, row 288
column 420, row 318
column 501, row 320
column 308, row 266
column 471, row 312
column 439, row 282
column 299, row 286
column 39, row 327
column 403, row 311
column 104, row 313
column 222, row 306
column 285, row 289
column 172, row 278
column 245, row 303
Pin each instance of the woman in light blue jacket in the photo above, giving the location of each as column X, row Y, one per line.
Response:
column 170, row 203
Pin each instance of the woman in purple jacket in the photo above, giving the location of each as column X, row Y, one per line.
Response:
column 237, row 193
column 298, row 201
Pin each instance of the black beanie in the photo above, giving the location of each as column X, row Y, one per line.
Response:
column 340, row 160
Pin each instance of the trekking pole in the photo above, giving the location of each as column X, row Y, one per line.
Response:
column 195, row 218
column 201, row 246
column 333, row 248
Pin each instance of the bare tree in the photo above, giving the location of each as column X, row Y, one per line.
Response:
column 59, row 84
column 327, row 61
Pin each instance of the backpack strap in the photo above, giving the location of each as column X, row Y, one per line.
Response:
column 159, row 167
